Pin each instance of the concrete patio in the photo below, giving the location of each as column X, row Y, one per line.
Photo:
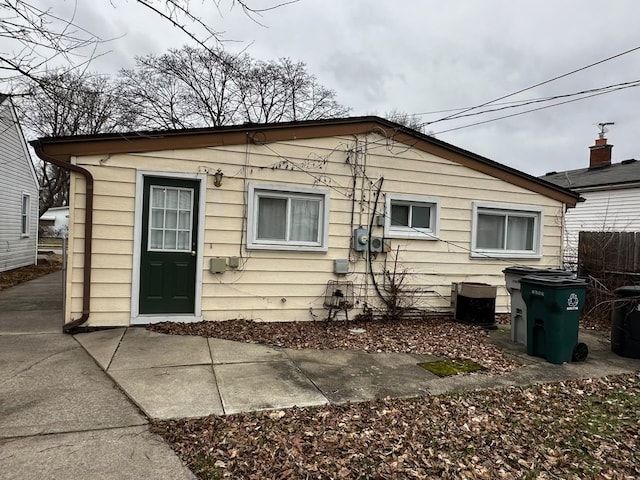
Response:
column 171, row 376
column 62, row 417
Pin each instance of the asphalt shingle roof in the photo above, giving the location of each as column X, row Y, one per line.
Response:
column 616, row 174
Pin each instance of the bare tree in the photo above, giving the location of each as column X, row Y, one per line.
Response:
column 193, row 87
column 406, row 120
column 183, row 88
column 70, row 103
column 36, row 38
column 186, row 88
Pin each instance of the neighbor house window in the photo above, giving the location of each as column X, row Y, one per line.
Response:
column 411, row 216
column 25, row 217
column 506, row 230
column 285, row 217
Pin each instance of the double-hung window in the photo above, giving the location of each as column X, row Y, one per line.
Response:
column 411, row 216
column 25, row 215
column 287, row 218
column 506, row 230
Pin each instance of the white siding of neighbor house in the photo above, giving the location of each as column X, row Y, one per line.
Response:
column 290, row 285
column 16, row 177
column 602, row 211
column 57, row 219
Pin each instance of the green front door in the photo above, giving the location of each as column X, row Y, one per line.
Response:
column 169, row 246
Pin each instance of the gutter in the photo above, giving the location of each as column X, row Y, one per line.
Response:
column 72, row 326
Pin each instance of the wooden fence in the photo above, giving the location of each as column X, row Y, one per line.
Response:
column 605, row 254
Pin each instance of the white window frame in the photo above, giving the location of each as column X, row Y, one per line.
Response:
column 531, row 211
column 286, row 191
column 396, row 231
column 25, row 216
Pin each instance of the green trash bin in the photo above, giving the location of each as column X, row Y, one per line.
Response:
column 554, row 305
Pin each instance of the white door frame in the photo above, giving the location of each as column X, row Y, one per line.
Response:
column 142, row 319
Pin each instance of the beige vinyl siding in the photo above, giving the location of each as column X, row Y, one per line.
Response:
column 290, row 285
column 18, row 177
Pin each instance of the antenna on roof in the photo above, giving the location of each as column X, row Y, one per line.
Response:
column 603, row 128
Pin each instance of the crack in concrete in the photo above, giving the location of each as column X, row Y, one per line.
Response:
column 17, row 374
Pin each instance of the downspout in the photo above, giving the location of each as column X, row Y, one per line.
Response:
column 73, row 325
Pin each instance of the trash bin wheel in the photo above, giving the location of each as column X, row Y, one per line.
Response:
column 580, row 352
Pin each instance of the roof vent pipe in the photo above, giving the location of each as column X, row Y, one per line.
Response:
column 72, row 326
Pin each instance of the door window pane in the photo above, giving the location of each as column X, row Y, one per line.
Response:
column 183, row 241
column 185, row 221
column 155, row 241
column 272, row 218
column 169, row 240
column 157, row 218
column 157, row 197
column 185, row 200
column 172, row 198
column 171, row 219
column 490, row 232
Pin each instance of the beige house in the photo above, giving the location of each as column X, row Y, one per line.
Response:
column 274, row 222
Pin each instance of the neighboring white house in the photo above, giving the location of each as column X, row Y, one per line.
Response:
column 611, row 195
column 55, row 222
column 18, row 194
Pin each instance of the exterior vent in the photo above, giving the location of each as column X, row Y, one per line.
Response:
column 627, row 162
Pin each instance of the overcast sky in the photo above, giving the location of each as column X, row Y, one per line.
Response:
column 421, row 56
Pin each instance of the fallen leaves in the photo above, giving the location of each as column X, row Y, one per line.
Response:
column 570, row 430
column 45, row 266
column 439, row 336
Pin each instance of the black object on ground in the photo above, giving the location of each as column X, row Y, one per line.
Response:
column 625, row 322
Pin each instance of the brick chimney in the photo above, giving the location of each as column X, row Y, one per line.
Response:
column 600, row 154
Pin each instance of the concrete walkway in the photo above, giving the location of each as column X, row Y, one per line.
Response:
column 61, row 417
column 171, row 376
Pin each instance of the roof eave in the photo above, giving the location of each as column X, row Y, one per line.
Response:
column 63, row 148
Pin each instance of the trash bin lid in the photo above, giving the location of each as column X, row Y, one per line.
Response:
column 542, row 272
column 628, row 291
column 554, row 281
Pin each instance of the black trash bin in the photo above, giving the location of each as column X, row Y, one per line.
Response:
column 625, row 322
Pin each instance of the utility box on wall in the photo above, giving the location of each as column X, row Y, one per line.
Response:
column 341, row 266
column 360, row 239
column 376, row 244
column 218, row 265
